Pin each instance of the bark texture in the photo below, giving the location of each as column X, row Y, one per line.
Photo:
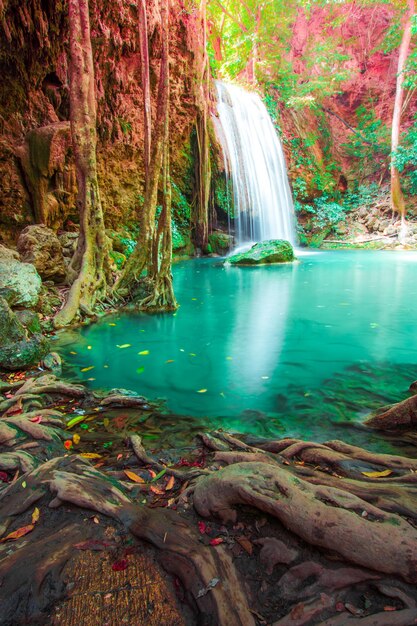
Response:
column 87, row 270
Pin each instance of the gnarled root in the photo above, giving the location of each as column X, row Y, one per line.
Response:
column 323, row 516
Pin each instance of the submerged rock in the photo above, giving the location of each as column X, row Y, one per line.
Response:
column 18, row 347
column 40, row 245
column 264, row 253
column 21, row 283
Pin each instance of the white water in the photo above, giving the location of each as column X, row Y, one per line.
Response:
column 255, row 163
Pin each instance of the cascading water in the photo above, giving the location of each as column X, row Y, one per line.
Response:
column 255, row 163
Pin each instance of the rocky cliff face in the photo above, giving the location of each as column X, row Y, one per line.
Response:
column 365, row 97
column 36, row 165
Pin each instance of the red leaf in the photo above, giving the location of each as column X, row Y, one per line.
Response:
column 202, row 527
column 390, row 608
column 20, row 532
column 119, row 566
column 36, row 419
column 4, row 477
column 216, row 542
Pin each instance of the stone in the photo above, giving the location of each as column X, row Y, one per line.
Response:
column 30, row 320
column 8, row 254
column 21, row 281
column 265, row 253
column 47, row 162
column 40, row 246
column 19, row 348
column 53, row 363
column 219, row 242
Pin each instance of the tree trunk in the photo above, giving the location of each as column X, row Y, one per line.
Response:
column 203, row 166
column 90, row 262
column 145, row 256
column 397, row 198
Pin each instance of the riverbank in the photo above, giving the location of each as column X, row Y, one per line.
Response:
column 232, row 521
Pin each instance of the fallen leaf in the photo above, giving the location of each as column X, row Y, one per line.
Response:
column 133, row 476
column 202, row 527
column 24, row 484
column 124, row 345
column 36, row 419
column 20, row 532
column 72, row 352
column 159, row 475
column 4, row 477
column 96, row 520
column 144, row 352
column 87, row 369
column 76, row 438
column 390, row 608
column 170, row 484
column 89, row 347
column 156, row 490
column 152, row 473
column 112, row 324
column 386, row 472
column 170, row 361
column 216, row 541
column 76, row 420
column 90, row 455
column 68, row 444
column 35, row 515
column 119, row 566
column 140, row 370
column 202, row 391
column 245, row 544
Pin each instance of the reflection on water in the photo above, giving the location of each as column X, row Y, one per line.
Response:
column 246, row 342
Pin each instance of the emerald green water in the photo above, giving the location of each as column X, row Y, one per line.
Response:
column 282, row 350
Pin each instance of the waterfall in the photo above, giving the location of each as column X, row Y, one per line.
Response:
column 255, row 163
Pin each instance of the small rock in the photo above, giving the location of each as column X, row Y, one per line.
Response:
column 22, row 282
column 53, row 362
column 8, row 254
column 40, row 245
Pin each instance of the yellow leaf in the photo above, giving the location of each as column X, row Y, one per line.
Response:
column 144, row 352
column 192, row 354
column 202, row 391
column 89, row 347
column 386, row 472
column 169, row 361
column 170, row 484
column 87, row 369
column 112, row 324
column 73, row 352
column 90, row 455
column 229, row 358
column 133, row 476
column 124, row 345
column 35, row 515
column 76, row 438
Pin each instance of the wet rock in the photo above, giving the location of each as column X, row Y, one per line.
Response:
column 53, row 363
column 19, row 348
column 21, row 281
column 40, row 246
column 264, row 253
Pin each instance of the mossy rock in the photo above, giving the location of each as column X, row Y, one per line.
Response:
column 220, row 242
column 265, row 253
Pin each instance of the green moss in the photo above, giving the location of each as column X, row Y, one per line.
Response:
column 118, row 259
column 219, row 242
column 265, row 252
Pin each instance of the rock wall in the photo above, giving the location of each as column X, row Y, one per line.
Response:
column 36, row 165
column 359, row 32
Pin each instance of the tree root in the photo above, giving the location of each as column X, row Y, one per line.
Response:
column 323, row 516
column 398, row 416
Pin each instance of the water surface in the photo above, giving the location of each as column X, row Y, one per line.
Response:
column 282, row 350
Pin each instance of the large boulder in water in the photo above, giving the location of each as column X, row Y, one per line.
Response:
column 265, row 253
column 20, row 283
column 39, row 245
column 19, row 348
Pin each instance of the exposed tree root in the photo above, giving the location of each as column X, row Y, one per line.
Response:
column 332, row 535
column 401, row 415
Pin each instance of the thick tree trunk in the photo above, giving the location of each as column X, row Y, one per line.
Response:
column 89, row 264
column 145, row 257
column 397, row 198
